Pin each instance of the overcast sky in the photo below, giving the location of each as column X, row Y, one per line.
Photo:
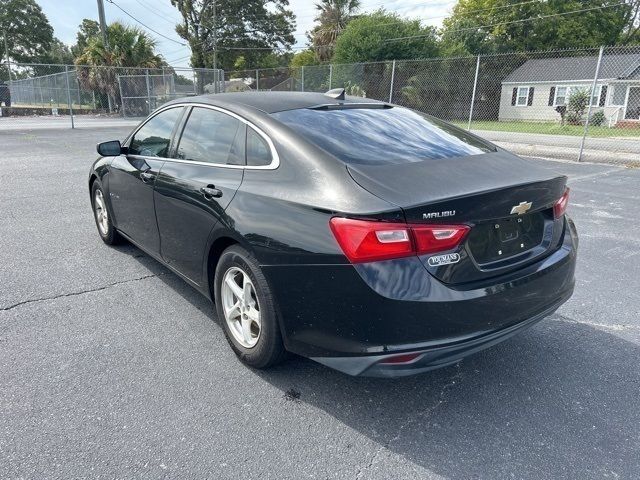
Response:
column 66, row 15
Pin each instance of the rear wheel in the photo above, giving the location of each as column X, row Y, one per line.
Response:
column 246, row 309
column 107, row 232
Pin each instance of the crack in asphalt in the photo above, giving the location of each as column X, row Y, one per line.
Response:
column 420, row 415
column 81, row 292
column 616, row 326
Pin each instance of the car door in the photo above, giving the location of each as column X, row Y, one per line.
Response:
column 194, row 188
column 132, row 178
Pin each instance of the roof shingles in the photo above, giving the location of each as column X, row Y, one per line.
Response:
column 574, row 68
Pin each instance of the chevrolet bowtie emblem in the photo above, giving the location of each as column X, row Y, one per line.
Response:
column 522, row 207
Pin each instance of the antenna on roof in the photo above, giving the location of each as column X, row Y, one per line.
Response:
column 336, row 93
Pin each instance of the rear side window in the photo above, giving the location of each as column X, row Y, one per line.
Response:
column 210, row 136
column 258, row 151
column 381, row 136
column 154, row 137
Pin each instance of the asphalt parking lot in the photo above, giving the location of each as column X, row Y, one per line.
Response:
column 113, row 367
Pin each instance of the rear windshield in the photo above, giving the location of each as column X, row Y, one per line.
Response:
column 381, row 136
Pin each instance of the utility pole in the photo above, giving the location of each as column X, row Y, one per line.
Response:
column 105, row 40
column 6, row 52
column 103, row 24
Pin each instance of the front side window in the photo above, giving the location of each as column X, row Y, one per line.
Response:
column 381, row 136
column 154, row 137
column 523, row 96
column 258, row 151
column 209, row 136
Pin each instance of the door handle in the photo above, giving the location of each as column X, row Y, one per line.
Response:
column 146, row 176
column 210, row 191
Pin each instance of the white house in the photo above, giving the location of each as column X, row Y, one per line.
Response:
column 534, row 90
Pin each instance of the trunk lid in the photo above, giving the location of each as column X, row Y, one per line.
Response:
column 481, row 191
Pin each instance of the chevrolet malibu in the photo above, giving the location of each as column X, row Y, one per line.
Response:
column 369, row 237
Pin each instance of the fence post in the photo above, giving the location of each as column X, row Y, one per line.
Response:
column 393, row 74
column 79, row 94
column 121, row 97
column 257, row 80
column 148, row 91
column 302, row 75
column 66, row 74
column 473, row 95
column 330, row 75
column 591, row 93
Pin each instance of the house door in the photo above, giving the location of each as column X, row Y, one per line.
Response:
column 633, row 104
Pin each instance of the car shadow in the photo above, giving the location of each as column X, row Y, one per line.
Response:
column 559, row 400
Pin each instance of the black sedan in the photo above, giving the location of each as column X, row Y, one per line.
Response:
column 369, row 237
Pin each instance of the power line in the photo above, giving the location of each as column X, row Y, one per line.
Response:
column 522, row 20
column 151, row 10
column 144, row 25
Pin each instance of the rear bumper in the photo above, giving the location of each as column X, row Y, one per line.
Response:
column 352, row 317
column 430, row 358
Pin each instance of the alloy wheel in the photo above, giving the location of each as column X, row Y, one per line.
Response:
column 241, row 307
column 100, row 210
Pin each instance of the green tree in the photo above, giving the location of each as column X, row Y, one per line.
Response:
column 371, row 38
column 489, row 26
column 86, row 30
column 303, row 58
column 58, row 53
column 249, row 28
column 28, row 33
column 128, row 47
column 333, row 17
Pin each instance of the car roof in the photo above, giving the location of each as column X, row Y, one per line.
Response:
column 272, row 102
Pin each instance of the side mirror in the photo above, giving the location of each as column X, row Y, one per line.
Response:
column 112, row 148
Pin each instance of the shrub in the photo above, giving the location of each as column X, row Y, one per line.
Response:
column 354, row 89
column 573, row 118
column 597, row 119
column 578, row 103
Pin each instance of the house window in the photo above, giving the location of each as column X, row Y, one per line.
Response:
column 564, row 92
column 618, row 96
column 595, row 100
column 562, row 95
column 523, row 96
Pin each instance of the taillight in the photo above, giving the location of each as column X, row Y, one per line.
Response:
column 367, row 241
column 436, row 238
column 561, row 205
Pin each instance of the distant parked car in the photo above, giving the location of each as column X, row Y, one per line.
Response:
column 369, row 237
column 5, row 94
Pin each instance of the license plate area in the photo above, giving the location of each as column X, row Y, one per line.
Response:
column 507, row 237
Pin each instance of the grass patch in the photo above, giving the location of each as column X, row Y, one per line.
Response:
column 551, row 128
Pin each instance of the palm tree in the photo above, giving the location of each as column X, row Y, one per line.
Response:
column 333, row 17
column 128, row 47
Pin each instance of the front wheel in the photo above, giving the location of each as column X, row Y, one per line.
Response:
column 246, row 309
column 107, row 231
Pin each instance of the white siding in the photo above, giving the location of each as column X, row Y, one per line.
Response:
column 539, row 111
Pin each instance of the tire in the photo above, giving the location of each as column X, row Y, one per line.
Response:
column 106, row 230
column 260, row 345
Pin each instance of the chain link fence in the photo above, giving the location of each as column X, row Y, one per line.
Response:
column 55, row 93
column 580, row 104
